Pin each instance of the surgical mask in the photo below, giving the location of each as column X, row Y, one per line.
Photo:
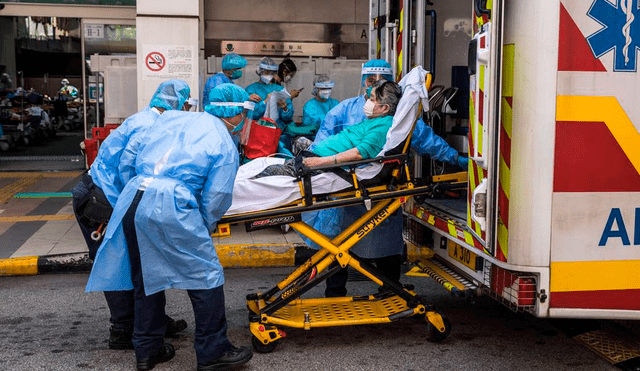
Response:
column 287, row 78
column 368, row 108
column 236, row 74
column 233, row 127
column 266, row 78
column 324, row 94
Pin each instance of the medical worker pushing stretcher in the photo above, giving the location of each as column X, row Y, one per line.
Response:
column 384, row 245
column 108, row 175
column 159, row 234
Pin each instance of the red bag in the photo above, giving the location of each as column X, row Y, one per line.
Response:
column 260, row 138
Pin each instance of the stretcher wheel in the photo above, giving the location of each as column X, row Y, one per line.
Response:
column 260, row 347
column 437, row 336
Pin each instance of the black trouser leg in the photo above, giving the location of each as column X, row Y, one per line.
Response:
column 390, row 266
column 210, row 338
column 150, row 322
column 120, row 302
column 337, row 284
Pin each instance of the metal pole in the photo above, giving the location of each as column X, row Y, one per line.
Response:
column 84, row 79
column 97, row 99
column 420, row 34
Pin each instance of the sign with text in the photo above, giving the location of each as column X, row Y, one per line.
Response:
column 169, row 61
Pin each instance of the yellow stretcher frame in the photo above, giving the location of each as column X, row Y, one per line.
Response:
column 282, row 305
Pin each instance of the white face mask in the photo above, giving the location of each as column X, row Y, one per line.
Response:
column 287, row 79
column 266, row 78
column 368, row 108
column 324, row 94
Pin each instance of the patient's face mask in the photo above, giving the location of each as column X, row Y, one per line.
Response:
column 368, row 108
column 324, row 93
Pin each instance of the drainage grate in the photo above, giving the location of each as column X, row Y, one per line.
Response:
column 610, row 347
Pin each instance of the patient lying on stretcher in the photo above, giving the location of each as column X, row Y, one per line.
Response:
column 267, row 182
column 361, row 141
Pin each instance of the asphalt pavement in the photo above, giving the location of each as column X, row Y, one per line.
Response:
column 47, row 322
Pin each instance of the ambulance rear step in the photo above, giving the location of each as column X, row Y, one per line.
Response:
column 456, row 284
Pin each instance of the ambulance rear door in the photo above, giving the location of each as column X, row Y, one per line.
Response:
column 485, row 61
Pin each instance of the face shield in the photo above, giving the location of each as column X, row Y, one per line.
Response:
column 372, row 74
column 247, row 115
column 191, row 105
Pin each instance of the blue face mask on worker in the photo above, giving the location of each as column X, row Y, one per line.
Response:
column 236, row 74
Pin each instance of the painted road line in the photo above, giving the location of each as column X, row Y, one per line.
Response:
column 7, row 192
column 42, row 195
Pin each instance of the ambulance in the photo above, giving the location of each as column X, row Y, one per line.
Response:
column 548, row 219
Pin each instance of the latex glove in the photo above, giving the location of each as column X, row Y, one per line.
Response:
column 255, row 98
column 282, row 103
column 463, row 162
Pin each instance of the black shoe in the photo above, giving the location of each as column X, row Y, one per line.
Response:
column 173, row 327
column 120, row 338
column 232, row 357
column 164, row 354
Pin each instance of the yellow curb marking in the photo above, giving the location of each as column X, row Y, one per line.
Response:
column 19, row 266
column 258, row 255
column 61, row 174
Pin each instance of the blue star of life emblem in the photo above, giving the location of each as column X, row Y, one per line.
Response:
column 619, row 32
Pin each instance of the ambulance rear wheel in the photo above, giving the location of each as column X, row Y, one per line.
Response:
column 437, row 336
column 260, row 347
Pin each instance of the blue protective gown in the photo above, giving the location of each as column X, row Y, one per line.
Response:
column 112, row 154
column 386, row 239
column 313, row 113
column 213, row 81
column 263, row 90
column 186, row 166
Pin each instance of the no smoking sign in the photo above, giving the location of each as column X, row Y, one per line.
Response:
column 155, row 61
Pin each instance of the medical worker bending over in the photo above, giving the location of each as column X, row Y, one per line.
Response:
column 105, row 180
column 159, row 236
column 232, row 65
column 315, row 110
column 384, row 245
column 361, row 141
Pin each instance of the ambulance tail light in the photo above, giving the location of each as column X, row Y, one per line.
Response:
column 516, row 290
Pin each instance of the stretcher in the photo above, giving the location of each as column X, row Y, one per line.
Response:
column 382, row 194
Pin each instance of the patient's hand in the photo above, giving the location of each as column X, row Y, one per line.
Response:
column 317, row 161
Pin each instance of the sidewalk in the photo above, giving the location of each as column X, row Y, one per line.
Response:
column 39, row 233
